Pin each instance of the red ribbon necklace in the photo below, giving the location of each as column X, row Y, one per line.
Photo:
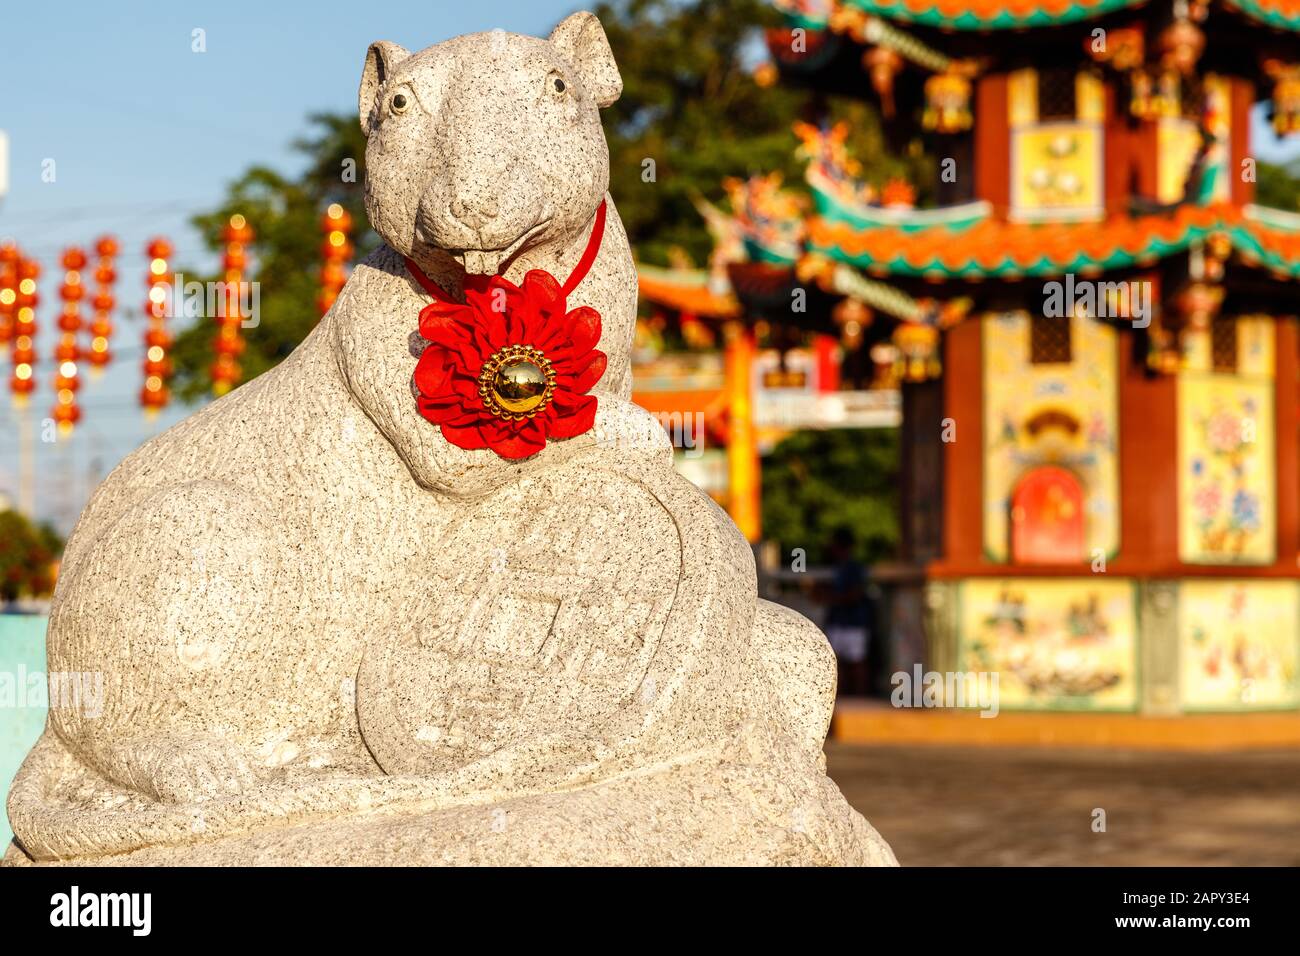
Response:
column 510, row 367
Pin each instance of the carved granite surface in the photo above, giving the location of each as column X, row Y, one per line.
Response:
column 330, row 636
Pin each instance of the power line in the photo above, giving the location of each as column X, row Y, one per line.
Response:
column 82, row 213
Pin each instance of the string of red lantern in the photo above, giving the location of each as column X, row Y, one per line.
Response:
column 26, row 299
column 229, row 343
column 67, row 382
column 8, row 292
column 336, row 224
column 157, row 340
column 101, row 326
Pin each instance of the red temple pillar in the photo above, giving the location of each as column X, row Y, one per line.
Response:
column 963, row 459
column 1148, row 460
column 742, row 447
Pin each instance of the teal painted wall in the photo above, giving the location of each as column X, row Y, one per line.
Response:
column 22, row 655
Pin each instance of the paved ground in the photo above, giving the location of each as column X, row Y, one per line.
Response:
column 1002, row 807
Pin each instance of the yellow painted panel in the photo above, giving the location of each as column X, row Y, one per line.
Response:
column 1089, row 97
column 1227, row 499
column 1022, row 97
column 1255, row 350
column 1177, row 141
column 1056, row 643
column 1238, row 644
column 1018, row 395
column 1056, row 171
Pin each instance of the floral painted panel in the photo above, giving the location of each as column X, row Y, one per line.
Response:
column 1238, row 644
column 1226, row 480
column 1056, row 643
column 1056, row 171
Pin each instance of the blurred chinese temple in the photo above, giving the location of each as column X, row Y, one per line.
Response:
column 1089, row 343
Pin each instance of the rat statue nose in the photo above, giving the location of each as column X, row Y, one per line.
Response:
column 476, row 215
column 482, row 223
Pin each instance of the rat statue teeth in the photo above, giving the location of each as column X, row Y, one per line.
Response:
column 430, row 591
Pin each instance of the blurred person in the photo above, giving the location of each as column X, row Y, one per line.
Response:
column 847, row 614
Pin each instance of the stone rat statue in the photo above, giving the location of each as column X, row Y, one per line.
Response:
column 344, row 618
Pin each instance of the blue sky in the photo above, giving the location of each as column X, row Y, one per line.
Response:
column 144, row 132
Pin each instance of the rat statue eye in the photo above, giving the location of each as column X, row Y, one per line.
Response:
column 556, row 83
column 400, row 103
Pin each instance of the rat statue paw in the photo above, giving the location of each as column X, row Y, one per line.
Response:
column 192, row 769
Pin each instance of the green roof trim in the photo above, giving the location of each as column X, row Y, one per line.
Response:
column 1009, row 269
column 908, row 11
column 1267, row 14
column 862, row 216
column 757, row 252
column 1250, row 248
column 793, row 20
column 1245, row 237
column 902, row 10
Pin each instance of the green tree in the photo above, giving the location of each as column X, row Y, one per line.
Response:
column 27, row 553
column 817, row 481
column 1278, row 186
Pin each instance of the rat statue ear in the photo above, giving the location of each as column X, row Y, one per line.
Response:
column 581, row 40
column 381, row 59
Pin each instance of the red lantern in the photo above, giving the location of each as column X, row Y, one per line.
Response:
column 103, row 302
column 66, row 379
column 157, row 367
column 154, row 396
column 237, row 230
column 66, row 415
column 24, row 273
column 21, row 383
column 229, row 342
column 336, row 250
column 225, row 370
column 24, row 350
column 8, row 292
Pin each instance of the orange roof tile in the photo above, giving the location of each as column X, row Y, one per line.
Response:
column 687, row 293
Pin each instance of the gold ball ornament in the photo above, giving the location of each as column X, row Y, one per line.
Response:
column 517, row 382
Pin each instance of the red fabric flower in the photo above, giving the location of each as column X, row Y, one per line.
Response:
column 510, row 367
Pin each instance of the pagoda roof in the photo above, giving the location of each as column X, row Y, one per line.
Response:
column 991, row 14
column 1011, row 14
column 687, row 290
column 997, row 248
